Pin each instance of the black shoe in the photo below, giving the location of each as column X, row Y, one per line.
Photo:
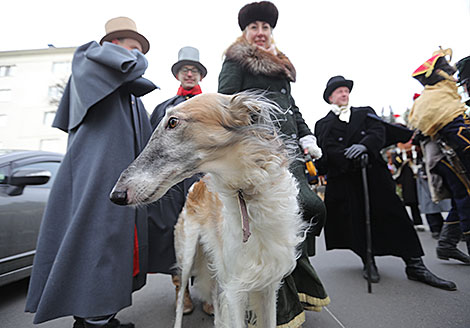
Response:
column 374, row 273
column 435, row 235
column 114, row 323
column 415, row 270
column 452, row 253
column 79, row 323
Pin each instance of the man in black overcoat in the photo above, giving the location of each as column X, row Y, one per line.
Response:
column 92, row 254
column 344, row 134
column 165, row 212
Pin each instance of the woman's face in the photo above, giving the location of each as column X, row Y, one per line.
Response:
column 259, row 33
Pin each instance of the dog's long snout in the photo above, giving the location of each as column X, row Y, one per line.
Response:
column 119, row 197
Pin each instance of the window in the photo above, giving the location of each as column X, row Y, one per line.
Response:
column 50, row 144
column 5, row 95
column 7, row 70
column 48, row 166
column 3, row 120
column 62, row 68
column 54, row 92
column 48, row 118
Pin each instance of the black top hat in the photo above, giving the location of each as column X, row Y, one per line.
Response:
column 334, row 83
column 264, row 11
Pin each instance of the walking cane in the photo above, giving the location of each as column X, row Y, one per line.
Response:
column 364, row 162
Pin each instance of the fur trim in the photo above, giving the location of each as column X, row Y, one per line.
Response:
column 258, row 61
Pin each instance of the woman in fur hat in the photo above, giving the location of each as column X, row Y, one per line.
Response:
column 254, row 62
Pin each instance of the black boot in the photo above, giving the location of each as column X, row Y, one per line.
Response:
column 415, row 270
column 447, row 246
column 374, row 273
column 467, row 240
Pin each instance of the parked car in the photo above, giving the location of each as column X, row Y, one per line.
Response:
column 26, row 178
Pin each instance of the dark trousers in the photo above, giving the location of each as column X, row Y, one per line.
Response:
column 435, row 221
column 460, row 210
column 416, row 214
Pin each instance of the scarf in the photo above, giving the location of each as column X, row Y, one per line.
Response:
column 192, row 92
column 343, row 112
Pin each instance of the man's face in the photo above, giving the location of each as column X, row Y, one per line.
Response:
column 189, row 76
column 129, row 44
column 340, row 96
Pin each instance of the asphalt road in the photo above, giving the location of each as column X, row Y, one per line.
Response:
column 395, row 302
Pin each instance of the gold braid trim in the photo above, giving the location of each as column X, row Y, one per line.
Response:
column 453, row 222
column 294, row 323
column 464, row 181
column 313, row 301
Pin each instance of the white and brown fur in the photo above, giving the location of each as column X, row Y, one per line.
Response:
column 234, row 141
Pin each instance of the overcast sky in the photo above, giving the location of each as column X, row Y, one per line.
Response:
column 376, row 43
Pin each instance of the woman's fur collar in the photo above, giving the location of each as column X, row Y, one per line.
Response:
column 258, row 61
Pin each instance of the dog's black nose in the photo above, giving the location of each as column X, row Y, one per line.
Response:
column 118, row 197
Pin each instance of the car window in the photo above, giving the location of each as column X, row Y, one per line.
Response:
column 49, row 166
column 3, row 174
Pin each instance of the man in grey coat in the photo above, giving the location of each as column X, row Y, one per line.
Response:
column 92, row 254
column 165, row 212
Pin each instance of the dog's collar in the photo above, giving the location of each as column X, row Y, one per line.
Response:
column 244, row 216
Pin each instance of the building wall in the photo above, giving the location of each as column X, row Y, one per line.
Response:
column 29, row 97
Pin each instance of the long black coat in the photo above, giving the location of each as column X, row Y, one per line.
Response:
column 164, row 213
column 392, row 229
column 87, row 252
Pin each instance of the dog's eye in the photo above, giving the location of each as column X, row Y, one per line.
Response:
column 172, row 123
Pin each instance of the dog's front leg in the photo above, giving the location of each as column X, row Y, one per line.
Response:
column 264, row 303
column 235, row 304
column 186, row 241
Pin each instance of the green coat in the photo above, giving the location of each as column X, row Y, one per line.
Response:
column 248, row 68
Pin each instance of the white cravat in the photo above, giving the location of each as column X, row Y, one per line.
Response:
column 343, row 112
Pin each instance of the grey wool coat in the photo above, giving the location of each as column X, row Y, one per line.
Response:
column 91, row 254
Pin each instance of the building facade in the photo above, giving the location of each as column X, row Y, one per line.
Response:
column 31, row 85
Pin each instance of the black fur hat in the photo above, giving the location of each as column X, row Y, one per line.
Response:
column 264, row 11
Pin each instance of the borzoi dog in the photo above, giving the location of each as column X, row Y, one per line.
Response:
column 244, row 216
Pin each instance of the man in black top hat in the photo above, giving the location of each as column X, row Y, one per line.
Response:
column 344, row 134
column 165, row 212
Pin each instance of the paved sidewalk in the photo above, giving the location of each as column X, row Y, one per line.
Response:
column 395, row 302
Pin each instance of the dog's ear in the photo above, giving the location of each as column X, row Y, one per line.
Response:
column 243, row 109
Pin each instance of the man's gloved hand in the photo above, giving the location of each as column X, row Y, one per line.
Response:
column 309, row 142
column 354, row 151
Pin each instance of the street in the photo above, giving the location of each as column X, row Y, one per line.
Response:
column 395, row 302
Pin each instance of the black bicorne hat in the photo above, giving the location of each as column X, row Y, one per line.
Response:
column 463, row 66
column 264, row 11
column 334, row 83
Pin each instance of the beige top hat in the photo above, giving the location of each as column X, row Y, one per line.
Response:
column 124, row 27
column 188, row 56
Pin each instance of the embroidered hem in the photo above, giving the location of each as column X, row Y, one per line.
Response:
column 313, row 301
column 294, row 323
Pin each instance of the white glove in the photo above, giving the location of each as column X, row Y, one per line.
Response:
column 309, row 142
